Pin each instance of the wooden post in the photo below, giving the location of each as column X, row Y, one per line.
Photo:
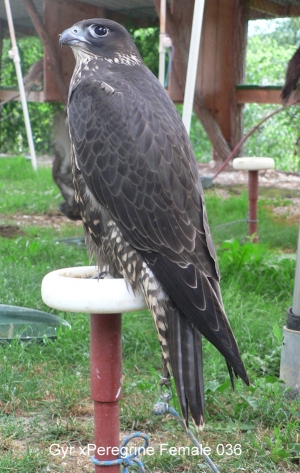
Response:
column 52, row 56
column 59, row 16
column 220, row 66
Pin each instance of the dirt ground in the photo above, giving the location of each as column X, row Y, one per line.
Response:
column 13, row 230
column 269, row 178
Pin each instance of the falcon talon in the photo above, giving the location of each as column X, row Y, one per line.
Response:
column 165, row 396
column 104, row 275
column 142, row 205
column 101, row 275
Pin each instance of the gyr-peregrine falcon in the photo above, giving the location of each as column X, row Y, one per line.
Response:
column 140, row 195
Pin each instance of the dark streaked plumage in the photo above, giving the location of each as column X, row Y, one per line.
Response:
column 292, row 77
column 141, row 199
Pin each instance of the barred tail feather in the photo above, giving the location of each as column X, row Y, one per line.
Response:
column 185, row 351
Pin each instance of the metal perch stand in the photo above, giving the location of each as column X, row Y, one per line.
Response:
column 290, row 355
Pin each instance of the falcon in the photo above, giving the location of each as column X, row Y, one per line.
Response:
column 140, row 196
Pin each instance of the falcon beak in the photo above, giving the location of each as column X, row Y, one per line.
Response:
column 72, row 36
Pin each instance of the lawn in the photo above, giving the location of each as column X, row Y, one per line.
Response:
column 44, row 389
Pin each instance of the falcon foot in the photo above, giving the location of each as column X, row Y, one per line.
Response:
column 105, row 275
column 101, row 275
column 71, row 212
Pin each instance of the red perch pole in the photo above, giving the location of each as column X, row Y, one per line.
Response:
column 253, row 196
column 253, row 165
column 106, row 386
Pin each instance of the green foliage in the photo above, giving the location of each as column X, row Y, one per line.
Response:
column 267, row 58
column 13, row 138
column 286, row 30
column 146, row 40
column 255, row 266
column 30, row 50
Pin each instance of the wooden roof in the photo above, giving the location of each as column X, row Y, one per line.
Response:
column 143, row 10
column 269, row 9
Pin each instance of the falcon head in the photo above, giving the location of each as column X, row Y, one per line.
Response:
column 101, row 38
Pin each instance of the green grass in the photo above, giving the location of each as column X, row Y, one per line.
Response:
column 273, row 232
column 44, row 389
column 23, row 189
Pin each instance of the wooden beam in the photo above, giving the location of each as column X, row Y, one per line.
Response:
column 174, row 90
column 8, row 95
column 274, row 9
column 262, row 95
column 52, row 56
column 19, row 29
column 131, row 21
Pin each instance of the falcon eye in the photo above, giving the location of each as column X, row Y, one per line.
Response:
column 99, row 31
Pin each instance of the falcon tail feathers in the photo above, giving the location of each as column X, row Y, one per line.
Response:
column 185, row 351
column 231, row 371
column 210, row 320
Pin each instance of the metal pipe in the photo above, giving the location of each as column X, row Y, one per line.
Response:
column 106, row 386
column 290, row 354
column 191, row 74
column 162, row 47
column 290, row 359
column 253, row 197
column 14, row 54
column 296, row 294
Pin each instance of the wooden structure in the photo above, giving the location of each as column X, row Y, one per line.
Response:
column 219, row 95
column 58, row 16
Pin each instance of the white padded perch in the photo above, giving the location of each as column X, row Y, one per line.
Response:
column 69, row 289
column 253, row 165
